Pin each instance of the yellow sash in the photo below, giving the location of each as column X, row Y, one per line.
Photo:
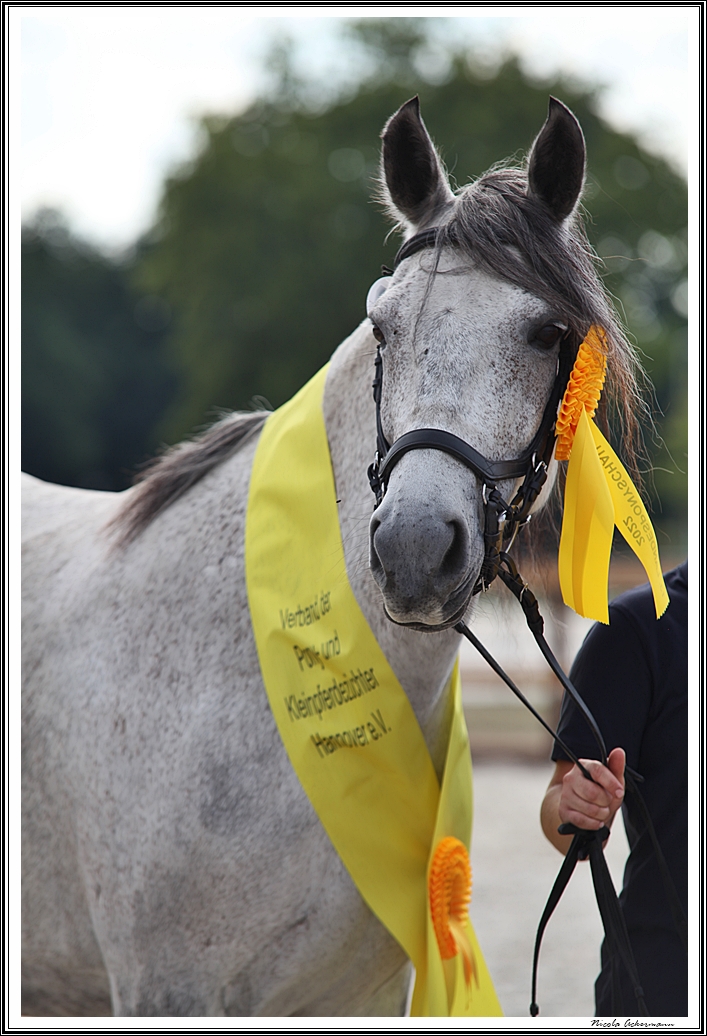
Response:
column 348, row 727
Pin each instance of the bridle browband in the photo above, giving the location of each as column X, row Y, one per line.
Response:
column 501, row 523
column 502, row 520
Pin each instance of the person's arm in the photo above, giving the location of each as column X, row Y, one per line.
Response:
column 571, row 798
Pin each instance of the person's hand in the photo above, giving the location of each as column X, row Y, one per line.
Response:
column 593, row 804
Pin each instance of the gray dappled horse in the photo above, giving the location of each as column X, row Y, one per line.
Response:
column 172, row 862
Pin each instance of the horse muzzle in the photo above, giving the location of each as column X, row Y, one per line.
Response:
column 425, row 556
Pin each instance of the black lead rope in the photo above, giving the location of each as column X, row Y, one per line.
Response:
column 509, row 575
column 462, row 628
column 584, row 843
column 590, row 844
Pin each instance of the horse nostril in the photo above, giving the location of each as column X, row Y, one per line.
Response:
column 454, row 562
column 376, row 565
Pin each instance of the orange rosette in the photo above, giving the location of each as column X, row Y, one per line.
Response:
column 449, row 887
column 584, row 387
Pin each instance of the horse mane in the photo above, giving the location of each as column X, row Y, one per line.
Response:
column 498, row 224
column 169, row 476
column 510, row 232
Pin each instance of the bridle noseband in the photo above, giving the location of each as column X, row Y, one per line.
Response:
column 502, row 520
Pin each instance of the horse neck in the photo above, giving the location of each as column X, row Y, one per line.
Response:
column 422, row 662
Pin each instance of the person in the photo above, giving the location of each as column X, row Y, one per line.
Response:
column 632, row 674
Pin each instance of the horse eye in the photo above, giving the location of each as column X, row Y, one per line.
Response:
column 378, row 335
column 548, row 336
column 377, row 289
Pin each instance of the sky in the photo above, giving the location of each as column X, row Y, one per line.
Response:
column 111, row 95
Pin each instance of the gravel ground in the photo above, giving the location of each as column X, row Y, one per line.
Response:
column 514, row 868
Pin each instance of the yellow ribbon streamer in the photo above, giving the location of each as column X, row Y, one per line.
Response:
column 599, row 495
column 346, row 723
column 587, row 529
column 631, row 518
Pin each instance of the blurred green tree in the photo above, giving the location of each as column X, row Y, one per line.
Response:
column 268, row 240
column 95, row 378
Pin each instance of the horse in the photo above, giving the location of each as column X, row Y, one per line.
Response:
column 172, row 864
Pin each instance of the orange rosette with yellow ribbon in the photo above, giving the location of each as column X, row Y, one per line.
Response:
column 449, row 889
column 599, row 495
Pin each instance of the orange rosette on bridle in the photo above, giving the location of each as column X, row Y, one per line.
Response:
column 584, row 387
column 599, row 495
column 449, row 887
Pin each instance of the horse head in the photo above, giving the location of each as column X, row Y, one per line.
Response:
column 470, row 327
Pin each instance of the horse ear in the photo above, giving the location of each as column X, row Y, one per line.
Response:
column 557, row 160
column 416, row 184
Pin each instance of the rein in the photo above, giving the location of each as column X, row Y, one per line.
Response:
column 502, row 521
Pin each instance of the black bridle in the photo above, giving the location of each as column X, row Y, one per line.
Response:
column 502, row 520
column 501, row 524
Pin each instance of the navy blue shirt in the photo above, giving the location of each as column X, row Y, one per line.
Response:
column 633, row 676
